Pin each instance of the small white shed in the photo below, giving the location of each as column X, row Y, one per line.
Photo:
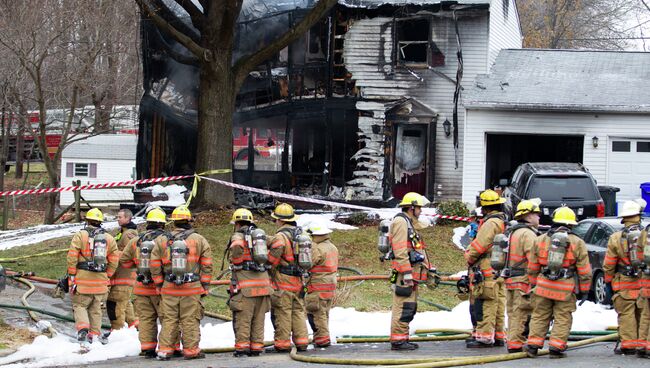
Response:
column 99, row 159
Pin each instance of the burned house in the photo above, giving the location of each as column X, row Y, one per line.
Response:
column 366, row 106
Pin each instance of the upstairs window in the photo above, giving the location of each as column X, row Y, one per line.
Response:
column 414, row 45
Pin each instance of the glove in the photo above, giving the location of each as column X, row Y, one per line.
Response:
column 71, row 285
column 433, row 279
column 582, row 297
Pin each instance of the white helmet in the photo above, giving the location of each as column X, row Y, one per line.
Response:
column 632, row 208
column 318, row 228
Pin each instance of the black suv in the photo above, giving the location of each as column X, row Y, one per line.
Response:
column 557, row 184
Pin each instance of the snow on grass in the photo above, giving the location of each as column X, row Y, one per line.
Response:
column 174, row 194
column 44, row 352
column 41, row 233
column 307, row 218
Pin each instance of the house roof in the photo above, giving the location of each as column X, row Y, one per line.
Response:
column 106, row 146
column 564, row 80
column 377, row 3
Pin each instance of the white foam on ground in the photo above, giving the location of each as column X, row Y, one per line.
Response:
column 174, row 194
column 44, row 352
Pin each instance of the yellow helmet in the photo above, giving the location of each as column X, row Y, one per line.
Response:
column 95, row 214
column 527, row 206
column 490, row 198
column 157, row 215
column 413, row 199
column 284, row 212
column 564, row 215
column 181, row 213
column 242, row 214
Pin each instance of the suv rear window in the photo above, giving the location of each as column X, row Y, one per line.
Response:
column 562, row 188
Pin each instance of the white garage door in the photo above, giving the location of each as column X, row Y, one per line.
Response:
column 628, row 166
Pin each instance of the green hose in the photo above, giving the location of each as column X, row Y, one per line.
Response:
column 42, row 311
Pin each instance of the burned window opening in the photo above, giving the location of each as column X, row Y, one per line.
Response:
column 414, row 46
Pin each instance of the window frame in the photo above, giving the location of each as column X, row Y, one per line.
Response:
column 77, row 165
column 397, row 45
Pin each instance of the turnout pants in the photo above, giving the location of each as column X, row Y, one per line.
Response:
column 644, row 326
column 289, row 319
column 318, row 315
column 248, row 321
column 519, row 311
column 181, row 315
column 547, row 310
column 87, row 312
column 403, row 312
column 629, row 320
column 119, row 307
column 148, row 308
column 489, row 312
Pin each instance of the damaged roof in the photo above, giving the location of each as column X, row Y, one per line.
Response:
column 560, row 80
column 377, row 3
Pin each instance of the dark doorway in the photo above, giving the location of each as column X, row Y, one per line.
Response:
column 507, row 151
column 410, row 159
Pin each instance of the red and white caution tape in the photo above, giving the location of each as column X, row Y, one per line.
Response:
column 316, row 201
column 94, row 186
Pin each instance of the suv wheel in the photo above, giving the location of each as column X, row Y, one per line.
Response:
column 599, row 292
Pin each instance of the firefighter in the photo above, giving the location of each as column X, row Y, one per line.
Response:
column 118, row 304
column 558, row 266
column 487, row 287
column 522, row 240
column 137, row 254
column 287, row 302
column 410, row 266
column 476, row 215
column 321, row 287
column 92, row 260
column 623, row 269
column 182, row 270
column 250, row 288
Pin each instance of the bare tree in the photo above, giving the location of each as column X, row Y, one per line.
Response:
column 61, row 45
column 220, row 76
column 572, row 24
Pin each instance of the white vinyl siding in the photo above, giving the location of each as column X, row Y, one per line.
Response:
column 107, row 171
column 505, row 32
column 604, row 126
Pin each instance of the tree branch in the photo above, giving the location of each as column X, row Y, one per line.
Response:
column 165, row 26
column 196, row 15
column 646, row 4
column 248, row 63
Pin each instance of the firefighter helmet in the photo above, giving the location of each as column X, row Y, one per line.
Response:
column 181, row 213
column 284, row 212
column 242, row 214
column 413, row 199
column 318, row 228
column 490, row 198
column 527, row 206
column 564, row 215
column 630, row 208
column 95, row 214
column 156, row 215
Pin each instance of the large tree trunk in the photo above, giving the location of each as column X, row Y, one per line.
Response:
column 214, row 142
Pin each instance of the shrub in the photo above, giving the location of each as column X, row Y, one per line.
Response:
column 452, row 208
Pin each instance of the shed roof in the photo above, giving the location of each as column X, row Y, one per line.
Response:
column 564, row 80
column 106, row 146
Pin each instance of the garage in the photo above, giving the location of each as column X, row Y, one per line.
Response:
column 628, row 165
column 562, row 106
column 507, row 151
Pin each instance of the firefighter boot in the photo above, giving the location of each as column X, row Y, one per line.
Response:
column 199, row 355
column 149, row 354
column 531, row 351
column 499, row 342
column 621, row 351
column 555, row 353
column 273, row 349
column 475, row 344
column 241, row 353
column 403, row 345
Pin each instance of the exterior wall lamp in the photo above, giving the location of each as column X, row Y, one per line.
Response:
column 594, row 141
column 446, row 126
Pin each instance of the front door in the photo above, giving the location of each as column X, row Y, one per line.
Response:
column 409, row 159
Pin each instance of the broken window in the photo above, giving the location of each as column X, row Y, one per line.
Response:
column 415, row 46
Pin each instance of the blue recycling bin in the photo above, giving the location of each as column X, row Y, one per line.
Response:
column 645, row 194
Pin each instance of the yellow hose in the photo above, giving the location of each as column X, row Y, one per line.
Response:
column 222, row 317
column 438, row 361
column 354, row 340
column 23, row 299
column 14, row 259
column 438, row 330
